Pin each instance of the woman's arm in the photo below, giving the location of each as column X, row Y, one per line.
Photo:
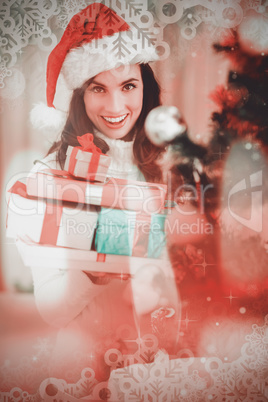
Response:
column 61, row 295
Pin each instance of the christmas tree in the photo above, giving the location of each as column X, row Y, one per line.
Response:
column 222, row 177
column 240, row 139
column 243, row 101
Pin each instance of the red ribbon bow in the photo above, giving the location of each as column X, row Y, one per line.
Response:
column 87, row 144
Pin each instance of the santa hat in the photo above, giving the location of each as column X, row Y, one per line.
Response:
column 95, row 40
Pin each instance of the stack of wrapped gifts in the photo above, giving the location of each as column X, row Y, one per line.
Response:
column 81, row 218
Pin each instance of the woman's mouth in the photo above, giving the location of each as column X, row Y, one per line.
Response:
column 115, row 121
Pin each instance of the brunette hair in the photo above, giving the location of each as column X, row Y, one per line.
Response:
column 78, row 124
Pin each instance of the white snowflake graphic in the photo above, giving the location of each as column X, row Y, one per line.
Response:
column 4, row 72
column 43, row 346
column 257, row 348
column 23, row 22
column 188, row 379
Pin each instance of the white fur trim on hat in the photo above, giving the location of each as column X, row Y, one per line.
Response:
column 103, row 54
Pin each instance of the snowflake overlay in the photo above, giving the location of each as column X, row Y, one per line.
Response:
column 145, row 376
column 25, row 22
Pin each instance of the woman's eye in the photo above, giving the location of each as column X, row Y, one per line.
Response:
column 96, row 89
column 129, row 87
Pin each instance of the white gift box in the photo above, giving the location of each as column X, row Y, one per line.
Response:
column 114, row 193
column 86, row 165
column 50, row 222
column 44, row 256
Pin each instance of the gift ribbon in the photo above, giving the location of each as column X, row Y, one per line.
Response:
column 101, row 257
column 51, row 224
column 93, row 167
column 87, row 144
column 140, row 239
column 19, row 188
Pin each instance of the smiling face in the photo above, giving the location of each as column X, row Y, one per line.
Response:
column 113, row 100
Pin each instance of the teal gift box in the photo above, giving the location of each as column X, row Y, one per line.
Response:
column 130, row 233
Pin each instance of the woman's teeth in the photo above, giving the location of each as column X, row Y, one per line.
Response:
column 115, row 119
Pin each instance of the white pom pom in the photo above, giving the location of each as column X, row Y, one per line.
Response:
column 44, row 117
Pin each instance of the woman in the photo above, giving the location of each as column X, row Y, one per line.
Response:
column 135, row 84
column 97, row 313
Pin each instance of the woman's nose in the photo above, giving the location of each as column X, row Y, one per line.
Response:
column 115, row 103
